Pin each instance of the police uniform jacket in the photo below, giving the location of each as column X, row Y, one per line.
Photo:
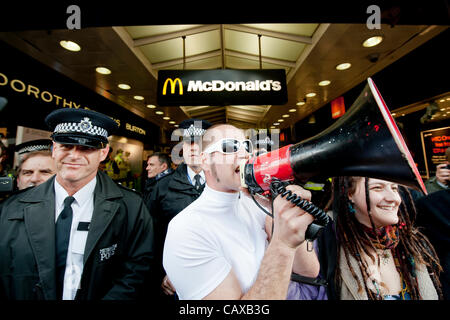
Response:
column 170, row 195
column 120, row 222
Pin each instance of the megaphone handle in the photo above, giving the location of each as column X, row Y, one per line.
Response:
column 278, row 187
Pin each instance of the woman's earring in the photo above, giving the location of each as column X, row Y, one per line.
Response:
column 351, row 208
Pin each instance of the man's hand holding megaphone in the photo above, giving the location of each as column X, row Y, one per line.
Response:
column 291, row 222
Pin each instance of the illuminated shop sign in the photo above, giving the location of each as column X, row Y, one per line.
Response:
column 221, row 87
column 434, row 144
column 20, row 86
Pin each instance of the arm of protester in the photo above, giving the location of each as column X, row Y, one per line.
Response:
column 290, row 223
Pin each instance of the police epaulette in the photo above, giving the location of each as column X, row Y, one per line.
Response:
column 163, row 174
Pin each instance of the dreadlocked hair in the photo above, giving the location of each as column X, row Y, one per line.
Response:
column 413, row 246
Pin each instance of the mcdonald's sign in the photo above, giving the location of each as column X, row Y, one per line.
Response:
column 173, row 84
column 221, row 87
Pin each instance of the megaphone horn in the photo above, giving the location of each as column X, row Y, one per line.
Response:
column 364, row 142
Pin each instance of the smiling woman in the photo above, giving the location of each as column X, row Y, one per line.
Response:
column 380, row 254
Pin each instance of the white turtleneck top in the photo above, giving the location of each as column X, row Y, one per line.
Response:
column 215, row 234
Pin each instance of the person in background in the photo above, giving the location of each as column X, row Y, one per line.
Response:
column 442, row 179
column 79, row 235
column 433, row 216
column 5, row 167
column 6, row 182
column 158, row 166
column 380, row 254
column 36, row 164
column 109, row 166
column 176, row 191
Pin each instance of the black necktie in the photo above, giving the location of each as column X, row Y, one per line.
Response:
column 197, row 181
column 62, row 236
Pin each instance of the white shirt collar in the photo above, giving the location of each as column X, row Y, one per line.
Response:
column 192, row 174
column 81, row 196
column 225, row 198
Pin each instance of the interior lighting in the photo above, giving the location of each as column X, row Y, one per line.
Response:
column 343, row 66
column 292, row 110
column 138, row 97
column 372, row 41
column 70, row 45
column 324, row 83
column 124, row 86
column 311, row 94
column 103, row 70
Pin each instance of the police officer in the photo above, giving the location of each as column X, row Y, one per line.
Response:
column 36, row 164
column 158, row 166
column 176, row 191
column 78, row 235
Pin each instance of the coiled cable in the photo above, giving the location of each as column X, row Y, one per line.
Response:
column 278, row 187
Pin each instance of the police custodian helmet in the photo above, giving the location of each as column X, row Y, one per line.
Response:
column 80, row 127
column 33, row 145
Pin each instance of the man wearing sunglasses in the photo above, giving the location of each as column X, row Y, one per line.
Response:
column 218, row 247
column 176, row 191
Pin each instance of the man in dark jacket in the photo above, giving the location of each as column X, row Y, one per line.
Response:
column 101, row 244
column 176, row 191
column 158, row 166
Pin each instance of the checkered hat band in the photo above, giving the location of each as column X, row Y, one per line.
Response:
column 71, row 127
column 193, row 131
column 34, row 148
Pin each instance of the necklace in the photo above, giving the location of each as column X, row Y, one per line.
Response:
column 385, row 256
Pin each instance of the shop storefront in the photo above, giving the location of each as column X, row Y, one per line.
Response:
column 29, row 91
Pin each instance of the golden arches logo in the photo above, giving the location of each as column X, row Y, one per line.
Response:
column 173, row 84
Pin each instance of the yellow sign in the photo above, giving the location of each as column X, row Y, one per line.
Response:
column 173, row 84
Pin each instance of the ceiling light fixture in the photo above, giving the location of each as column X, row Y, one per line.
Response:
column 285, row 116
column 124, row 86
column 324, row 83
column 372, row 41
column 166, row 118
column 300, row 103
column 292, row 110
column 280, row 120
column 311, row 94
column 343, row 66
column 159, row 112
column 138, row 97
column 151, row 106
column 103, row 70
column 276, row 123
column 172, row 122
column 70, row 45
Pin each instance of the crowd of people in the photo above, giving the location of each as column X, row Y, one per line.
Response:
column 74, row 228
